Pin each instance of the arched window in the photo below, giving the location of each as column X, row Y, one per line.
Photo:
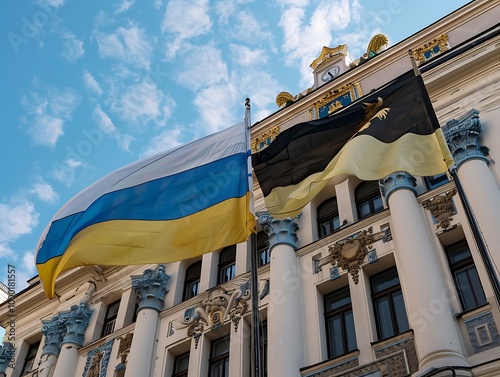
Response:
column 328, row 217
column 227, row 264
column 192, row 281
column 368, row 199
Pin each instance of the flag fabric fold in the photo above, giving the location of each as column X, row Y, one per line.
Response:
column 175, row 205
column 386, row 131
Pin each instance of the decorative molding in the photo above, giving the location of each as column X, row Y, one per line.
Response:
column 124, row 350
column 263, row 140
column 220, row 306
column 283, row 98
column 97, row 360
column 6, row 352
column 377, row 43
column 54, row 330
column 280, row 232
column 431, row 49
column 349, row 253
column 372, row 256
column 327, row 55
column 336, row 98
column 76, row 321
column 397, row 181
column 404, row 345
column 334, row 273
column 151, row 288
column 483, row 332
column 441, row 208
column 462, row 136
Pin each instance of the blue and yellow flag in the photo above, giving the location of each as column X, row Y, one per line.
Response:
column 175, row 205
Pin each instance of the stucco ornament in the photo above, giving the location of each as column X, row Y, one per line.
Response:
column 441, row 208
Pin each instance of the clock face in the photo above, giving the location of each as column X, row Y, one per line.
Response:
column 330, row 73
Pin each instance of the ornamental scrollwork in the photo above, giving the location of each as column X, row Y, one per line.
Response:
column 441, row 208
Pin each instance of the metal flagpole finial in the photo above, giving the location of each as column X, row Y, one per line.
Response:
column 247, row 103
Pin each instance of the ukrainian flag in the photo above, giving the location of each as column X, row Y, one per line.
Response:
column 175, row 205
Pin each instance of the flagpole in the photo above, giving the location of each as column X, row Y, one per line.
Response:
column 252, row 249
column 476, row 231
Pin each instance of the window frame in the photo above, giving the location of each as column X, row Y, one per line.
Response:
column 184, row 372
column 435, row 181
column 368, row 198
column 263, row 249
column 340, row 312
column 388, row 293
column 225, row 265
column 189, row 282
column 110, row 319
column 465, row 265
column 329, row 217
column 216, row 359
column 29, row 360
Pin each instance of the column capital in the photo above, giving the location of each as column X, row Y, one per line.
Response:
column 397, row 181
column 54, row 330
column 280, row 232
column 6, row 353
column 151, row 288
column 76, row 321
column 462, row 137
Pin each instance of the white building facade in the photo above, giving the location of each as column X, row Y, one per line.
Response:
column 383, row 278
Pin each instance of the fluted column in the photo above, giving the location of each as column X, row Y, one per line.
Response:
column 437, row 340
column 76, row 321
column 151, row 288
column 478, row 182
column 53, row 330
column 284, row 341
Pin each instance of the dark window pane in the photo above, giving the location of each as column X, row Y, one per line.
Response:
column 227, row 264
column 364, row 210
column 181, row 365
column 384, row 319
column 350, row 332
column 400, row 312
column 338, row 299
column 328, row 217
column 436, row 180
column 458, row 253
column 192, row 281
column 341, row 336
column 385, row 280
column 378, row 205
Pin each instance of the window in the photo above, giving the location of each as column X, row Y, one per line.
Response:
column 465, row 276
column 263, row 346
column 219, row 358
column 368, row 199
column 30, row 358
column 109, row 321
column 328, row 217
column 181, row 364
column 340, row 333
column 227, row 264
column 263, row 250
column 388, row 304
column 436, row 180
column 192, row 281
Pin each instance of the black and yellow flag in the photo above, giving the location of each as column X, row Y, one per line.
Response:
column 386, row 131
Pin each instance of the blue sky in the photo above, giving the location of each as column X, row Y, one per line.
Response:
column 88, row 87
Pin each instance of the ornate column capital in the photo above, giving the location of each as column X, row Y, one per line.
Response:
column 76, row 321
column 151, row 288
column 6, row 354
column 54, row 330
column 280, row 232
column 462, row 136
column 397, row 181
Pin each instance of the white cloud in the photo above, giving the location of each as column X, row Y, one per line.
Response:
column 50, row 3
column 43, row 191
column 157, row 4
column 246, row 56
column 209, row 68
column 65, row 172
column 166, row 140
column 185, row 19
column 28, row 262
column 46, row 112
column 217, row 112
column 106, row 125
column 224, row 10
column 17, row 218
column 124, row 6
column 140, row 103
column 130, row 45
column 91, row 83
column 72, row 47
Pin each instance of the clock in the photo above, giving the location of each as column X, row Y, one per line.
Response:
column 330, row 73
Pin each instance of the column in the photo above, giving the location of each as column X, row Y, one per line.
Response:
column 284, row 314
column 151, row 288
column 436, row 335
column 6, row 351
column 76, row 321
column 53, row 330
column 478, row 182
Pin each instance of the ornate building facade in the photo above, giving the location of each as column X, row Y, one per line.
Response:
column 372, row 279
